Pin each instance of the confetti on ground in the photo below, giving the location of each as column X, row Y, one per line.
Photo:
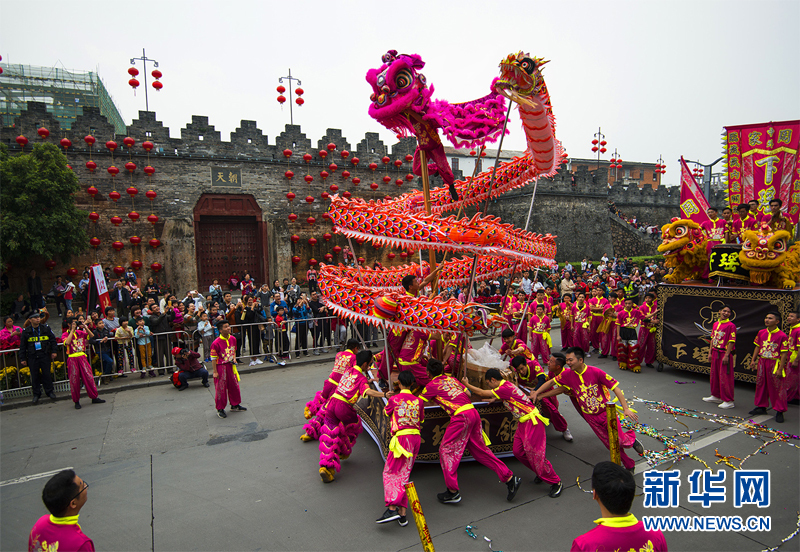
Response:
column 790, row 537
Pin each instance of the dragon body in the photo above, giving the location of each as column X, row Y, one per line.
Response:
column 769, row 259
column 402, row 101
column 684, row 248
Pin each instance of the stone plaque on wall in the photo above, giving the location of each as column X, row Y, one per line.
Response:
column 226, row 176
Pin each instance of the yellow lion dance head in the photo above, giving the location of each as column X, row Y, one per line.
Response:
column 682, row 238
column 763, row 251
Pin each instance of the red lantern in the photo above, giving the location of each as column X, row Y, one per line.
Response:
column 91, row 165
column 361, row 260
column 112, row 170
column 72, row 272
column 376, row 245
column 334, row 188
column 295, row 259
column 387, row 178
column 111, row 144
column 323, row 154
column 374, row 186
column 409, row 177
column 94, row 217
column 290, row 196
column 129, row 142
column 148, row 170
column 299, row 91
column 65, row 143
column 292, row 217
column 281, row 89
column 360, row 241
column 289, row 174
column 22, row 141
column 311, row 220
column 356, row 181
column 344, row 154
column 327, row 236
column 309, row 199
column 115, row 195
column 89, row 139
column 295, row 238
column 312, row 241
column 308, row 178
column 345, row 195
column 385, row 159
column 148, row 145
column 92, row 191
column 328, row 257
column 373, row 166
column 119, row 271
column 134, row 216
column 43, row 133
column 156, row 267
column 473, row 152
column 154, row 243
column 157, row 85
column 94, row 242
column 345, row 174
column 331, row 146
column 312, row 261
column 152, row 219
column 612, row 160
column 324, row 195
column 137, row 264
column 337, row 249
column 398, row 163
column 391, row 255
column 133, row 71
column 116, row 220
column 595, row 142
column 307, row 157
column 118, row 245
column 594, row 149
column 403, row 255
column 603, row 143
column 324, row 174
column 156, row 74
column 287, row 153
column 326, row 216
column 299, row 101
column 132, row 191
column 332, row 167
column 150, row 194
column 135, row 240
column 409, row 157
column 483, row 153
column 50, row 264
column 387, row 197
column 131, row 166
column 399, row 181
column 355, row 160
column 603, row 150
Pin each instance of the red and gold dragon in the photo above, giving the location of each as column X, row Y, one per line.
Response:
column 401, row 101
column 684, row 248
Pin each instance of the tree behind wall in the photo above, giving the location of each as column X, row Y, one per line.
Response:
column 38, row 215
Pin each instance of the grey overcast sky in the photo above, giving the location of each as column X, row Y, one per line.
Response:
column 659, row 77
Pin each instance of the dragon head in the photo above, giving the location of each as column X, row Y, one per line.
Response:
column 521, row 72
column 679, row 235
column 763, row 251
column 397, row 86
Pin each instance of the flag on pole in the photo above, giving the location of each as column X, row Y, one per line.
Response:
column 693, row 201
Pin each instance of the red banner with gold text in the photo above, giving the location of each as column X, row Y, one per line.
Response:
column 762, row 165
column 694, row 205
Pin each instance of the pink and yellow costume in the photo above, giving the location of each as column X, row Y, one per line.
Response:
column 596, row 319
column 540, row 337
column 647, row 334
column 342, row 425
column 723, row 332
column 580, row 326
column 78, row 367
column 343, row 362
column 411, row 356
column 226, row 384
column 771, row 383
column 406, row 412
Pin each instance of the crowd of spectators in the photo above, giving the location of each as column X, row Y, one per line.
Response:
column 650, row 230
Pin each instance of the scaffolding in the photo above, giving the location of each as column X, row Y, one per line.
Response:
column 65, row 94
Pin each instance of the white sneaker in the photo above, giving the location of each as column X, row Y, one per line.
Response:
column 253, row 363
column 726, row 404
column 712, row 399
column 259, row 361
column 567, row 435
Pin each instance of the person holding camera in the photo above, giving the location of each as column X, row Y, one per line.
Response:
column 322, row 323
column 78, row 367
column 301, row 312
column 188, row 362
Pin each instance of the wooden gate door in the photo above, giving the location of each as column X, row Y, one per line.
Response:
column 229, row 236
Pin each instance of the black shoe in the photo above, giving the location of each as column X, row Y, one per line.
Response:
column 77, row 406
column 603, row 356
column 758, row 410
column 206, row 384
column 650, row 365
column 637, row 446
column 36, row 399
column 449, row 498
column 388, row 515
column 513, row 486
column 52, row 396
column 98, row 400
column 613, row 358
column 403, row 521
column 555, row 490
column 794, row 402
column 779, row 417
column 537, row 480
column 221, row 414
column 238, row 408
column 183, row 386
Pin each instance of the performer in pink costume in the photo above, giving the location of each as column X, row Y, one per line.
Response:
column 342, row 425
column 412, row 353
column 627, row 341
column 549, row 405
column 314, row 412
column 723, row 346
column 223, row 365
column 647, row 331
column 541, row 299
column 80, row 371
column 464, row 429
column 597, row 306
column 512, row 346
column 793, row 370
column 580, row 322
column 406, row 412
column 395, row 338
column 530, row 440
column 540, row 334
column 608, row 343
column 590, row 387
column 520, row 324
column 770, row 360
column 564, row 313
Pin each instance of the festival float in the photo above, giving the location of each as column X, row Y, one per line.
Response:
column 485, row 246
column 754, row 277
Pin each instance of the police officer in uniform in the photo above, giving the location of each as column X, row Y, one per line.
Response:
column 37, row 350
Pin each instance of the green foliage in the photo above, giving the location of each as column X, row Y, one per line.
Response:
column 38, row 215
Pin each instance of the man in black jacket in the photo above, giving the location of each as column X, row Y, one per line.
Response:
column 161, row 323
column 37, row 350
column 121, row 295
column 189, row 366
column 35, row 291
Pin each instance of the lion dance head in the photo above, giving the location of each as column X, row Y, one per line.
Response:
column 763, row 252
column 683, row 245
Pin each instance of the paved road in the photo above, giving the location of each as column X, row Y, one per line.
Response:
column 248, row 483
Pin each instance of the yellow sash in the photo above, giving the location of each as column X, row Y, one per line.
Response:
column 333, row 382
column 546, row 337
column 534, row 417
column 396, row 448
column 76, row 355
column 341, row 398
column 236, row 373
column 466, row 407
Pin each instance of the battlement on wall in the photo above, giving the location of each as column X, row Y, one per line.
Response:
column 661, row 197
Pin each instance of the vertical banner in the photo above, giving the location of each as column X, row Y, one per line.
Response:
column 762, row 165
column 98, row 290
column 693, row 201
